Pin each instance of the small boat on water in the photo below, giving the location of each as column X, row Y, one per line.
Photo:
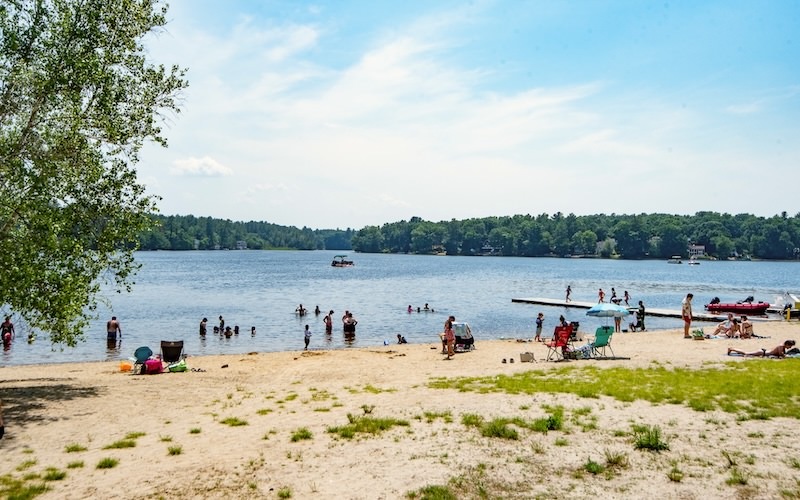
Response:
column 747, row 306
column 675, row 259
column 693, row 262
column 340, row 261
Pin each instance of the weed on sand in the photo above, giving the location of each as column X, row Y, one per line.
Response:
column 365, row 425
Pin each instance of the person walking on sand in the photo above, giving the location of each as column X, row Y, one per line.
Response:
column 307, row 337
column 686, row 313
column 112, row 328
column 569, row 293
column 450, row 338
column 539, row 323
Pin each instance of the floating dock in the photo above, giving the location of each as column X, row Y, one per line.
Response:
column 664, row 313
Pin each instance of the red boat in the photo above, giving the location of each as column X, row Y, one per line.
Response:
column 747, row 306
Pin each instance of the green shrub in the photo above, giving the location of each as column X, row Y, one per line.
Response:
column 107, row 463
column 647, row 437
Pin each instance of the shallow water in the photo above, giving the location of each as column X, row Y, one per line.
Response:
column 175, row 290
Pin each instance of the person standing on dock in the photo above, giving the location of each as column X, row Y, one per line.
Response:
column 569, row 292
column 601, row 296
column 686, row 312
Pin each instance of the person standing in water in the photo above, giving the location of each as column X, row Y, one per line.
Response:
column 307, row 337
column 539, row 323
column 112, row 328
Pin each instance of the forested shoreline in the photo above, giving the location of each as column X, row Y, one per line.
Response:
column 639, row 236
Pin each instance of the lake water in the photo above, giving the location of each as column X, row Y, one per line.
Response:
column 175, row 290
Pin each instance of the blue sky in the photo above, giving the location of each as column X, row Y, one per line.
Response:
column 350, row 113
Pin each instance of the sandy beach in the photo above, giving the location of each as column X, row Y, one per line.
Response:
column 187, row 442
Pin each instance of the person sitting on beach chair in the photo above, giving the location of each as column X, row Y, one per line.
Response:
column 776, row 352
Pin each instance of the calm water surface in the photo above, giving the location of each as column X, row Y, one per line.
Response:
column 175, row 290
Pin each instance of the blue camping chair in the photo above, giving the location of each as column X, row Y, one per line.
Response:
column 141, row 355
column 602, row 341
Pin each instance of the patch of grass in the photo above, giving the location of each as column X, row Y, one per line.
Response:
column 432, row 492
column 367, row 409
column 593, row 467
column 165, row 439
column 78, row 464
column 264, row 411
column 107, row 463
column 175, row 450
column 301, row 434
column 472, row 420
column 284, row 492
column 616, row 459
column 646, row 437
column 27, row 464
column 723, row 386
column 794, row 463
column 738, row 477
column 755, row 435
column 234, row 422
column 561, row 442
column 322, row 410
column 498, row 428
column 553, row 422
column 122, row 443
column 135, row 435
column 13, row 488
column 376, row 390
column 675, row 474
column 74, row 448
column 430, row 416
column 365, row 425
column 195, row 430
column 53, row 474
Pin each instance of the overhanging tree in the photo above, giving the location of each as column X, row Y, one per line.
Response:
column 78, row 99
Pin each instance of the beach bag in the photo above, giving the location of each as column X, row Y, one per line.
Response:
column 152, row 366
column 180, row 366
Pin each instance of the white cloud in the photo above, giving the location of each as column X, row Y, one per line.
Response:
column 199, row 167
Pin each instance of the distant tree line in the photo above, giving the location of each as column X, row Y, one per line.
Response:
column 626, row 236
column 187, row 232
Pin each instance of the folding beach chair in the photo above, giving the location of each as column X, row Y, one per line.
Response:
column 171, row 351
column 602, row 341
column 140, row 355
column 557, row 347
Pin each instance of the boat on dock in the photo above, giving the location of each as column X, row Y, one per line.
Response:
column 746, row 306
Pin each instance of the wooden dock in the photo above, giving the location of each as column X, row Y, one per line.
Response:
column 664, row 313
